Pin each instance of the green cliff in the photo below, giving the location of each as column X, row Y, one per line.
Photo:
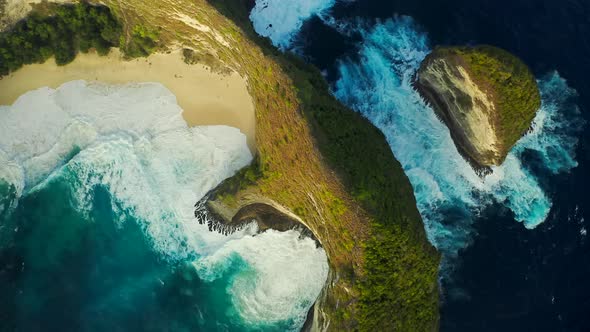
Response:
column 317, row 162
column 486, row 96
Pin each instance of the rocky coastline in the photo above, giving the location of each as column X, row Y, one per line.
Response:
column 486, row 96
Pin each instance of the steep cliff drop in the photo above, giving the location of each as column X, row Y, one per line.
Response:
column 486, row 96
column 307, row 170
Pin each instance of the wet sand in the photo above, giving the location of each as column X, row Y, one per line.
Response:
column 207, row 98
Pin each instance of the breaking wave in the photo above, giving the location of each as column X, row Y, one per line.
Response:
column 449, row 193
column 281, row 20
column 132, row 140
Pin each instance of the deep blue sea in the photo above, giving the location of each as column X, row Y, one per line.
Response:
column 98, row 183
column 516, row 253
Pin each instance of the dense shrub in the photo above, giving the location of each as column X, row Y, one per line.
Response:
column 142, row 42
column 71, row 28
column 399, row 290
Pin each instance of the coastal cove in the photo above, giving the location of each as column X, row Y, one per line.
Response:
column 308, row 144
column 207, row 97
column 294, row 165
column 111, row 174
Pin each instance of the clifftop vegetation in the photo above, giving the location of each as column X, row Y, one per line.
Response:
column 509, row 81
column 367, row 218
column 319, row 159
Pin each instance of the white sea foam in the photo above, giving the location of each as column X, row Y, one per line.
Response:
column 281, row 20
column 133, row 141
column 448, row 192
column 279, row 285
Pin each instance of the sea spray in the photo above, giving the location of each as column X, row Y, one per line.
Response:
column 449, row 193
column 281, row 20
column 378, row 84
column 122, row 155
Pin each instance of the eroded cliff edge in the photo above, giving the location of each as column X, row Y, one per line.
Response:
column 486, row 96
column 317, row 160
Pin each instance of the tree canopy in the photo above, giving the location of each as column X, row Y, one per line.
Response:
column 71, row 28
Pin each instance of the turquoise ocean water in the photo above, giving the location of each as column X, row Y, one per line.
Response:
column 97, row 228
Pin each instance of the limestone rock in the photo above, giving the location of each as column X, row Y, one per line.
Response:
column 486, row 96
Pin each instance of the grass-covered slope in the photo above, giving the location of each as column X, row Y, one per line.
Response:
column 366, row 217
column 509, row 80
column 322, row 161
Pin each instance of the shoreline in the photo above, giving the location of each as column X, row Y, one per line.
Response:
column 207, row 98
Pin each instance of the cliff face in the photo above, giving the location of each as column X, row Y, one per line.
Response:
column 469, row 111
column 308, row 169
column 487, row 98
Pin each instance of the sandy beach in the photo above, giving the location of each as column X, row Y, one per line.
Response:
column 207, row 98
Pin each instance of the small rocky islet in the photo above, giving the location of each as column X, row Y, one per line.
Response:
column 366, row 217
column 485, row 95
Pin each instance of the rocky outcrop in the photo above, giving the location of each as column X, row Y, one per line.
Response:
column 267, row 214
column 486, row 96
column 263, row 211
column 313, row 168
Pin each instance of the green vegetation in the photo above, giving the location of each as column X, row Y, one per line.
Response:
column 316, row 157
column 379, row 182
column 70, row 29
column 246, row 177
column 511, row 83
column 192, row 57
column 396, row 296
column 142, row 43
column 2, row 6
column 400, row 265
column 64, row 30
column 397, row 282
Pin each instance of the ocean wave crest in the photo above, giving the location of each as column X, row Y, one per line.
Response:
column 449, row 193
column 281, row 20
column 132, row 141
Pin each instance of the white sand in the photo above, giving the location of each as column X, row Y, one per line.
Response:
column 207, row 98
